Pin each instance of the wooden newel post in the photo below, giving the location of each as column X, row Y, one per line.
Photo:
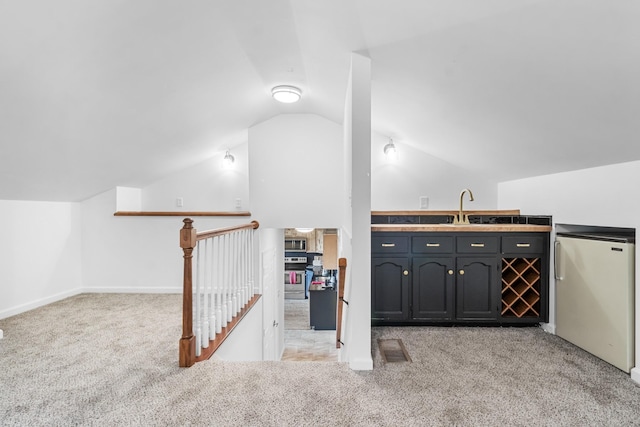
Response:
column 187, row 350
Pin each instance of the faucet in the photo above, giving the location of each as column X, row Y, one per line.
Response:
column 461, row 218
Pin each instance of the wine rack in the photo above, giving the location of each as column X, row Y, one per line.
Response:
column 521, row 280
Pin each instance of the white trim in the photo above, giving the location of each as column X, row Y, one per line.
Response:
column 361, row 364
column 63, row 295
column 38, row 303
column 635, row 375
column 131, row 290
column 549, row 327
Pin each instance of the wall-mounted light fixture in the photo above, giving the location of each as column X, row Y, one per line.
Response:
column 228, row 160
column 286, row 94
column 390, row 150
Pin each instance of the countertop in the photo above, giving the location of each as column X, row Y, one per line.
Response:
column 499, row 228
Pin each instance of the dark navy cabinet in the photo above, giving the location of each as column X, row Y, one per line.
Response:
column 459, row 278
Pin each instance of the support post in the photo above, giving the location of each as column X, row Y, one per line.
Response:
column 187, row 348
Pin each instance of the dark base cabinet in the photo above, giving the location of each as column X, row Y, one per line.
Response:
column 322, row 309
column 459, row 278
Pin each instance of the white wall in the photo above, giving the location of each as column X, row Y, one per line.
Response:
column 134, row 254
column 602, row 196
column 296, row 175
column 206, row 186
column 245, row 343
column 398, row 185
column 40, row 254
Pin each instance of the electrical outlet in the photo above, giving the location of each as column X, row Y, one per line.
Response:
column 179, row 202
column 424, row 202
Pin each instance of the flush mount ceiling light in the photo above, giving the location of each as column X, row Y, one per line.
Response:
column 286, row 94
column 390, row 150
column 304, row 230
column 228, row 160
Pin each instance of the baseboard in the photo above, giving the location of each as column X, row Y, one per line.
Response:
column 130, row 290
column 549, row 327
column 63, row 295
column 38, row 303
column 635, row 375
column 365, row 364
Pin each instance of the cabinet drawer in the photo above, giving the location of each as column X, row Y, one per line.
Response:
column 389, row 244
column 433, row 244
column 522, row 244
column 477, row 244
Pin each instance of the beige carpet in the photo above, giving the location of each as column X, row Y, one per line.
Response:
column 111, row 360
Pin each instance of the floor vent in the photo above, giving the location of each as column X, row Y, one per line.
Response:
column 393, row 351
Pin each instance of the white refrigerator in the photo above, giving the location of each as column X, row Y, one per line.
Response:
column 595, row 295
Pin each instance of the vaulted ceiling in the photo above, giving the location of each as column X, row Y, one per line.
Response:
column 95, row 94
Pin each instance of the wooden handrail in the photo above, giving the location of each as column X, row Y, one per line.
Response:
column 220, row 231
column 342, row 265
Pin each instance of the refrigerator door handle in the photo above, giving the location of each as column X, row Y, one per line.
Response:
column 556, row 259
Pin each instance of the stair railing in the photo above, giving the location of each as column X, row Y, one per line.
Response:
column 218, row 286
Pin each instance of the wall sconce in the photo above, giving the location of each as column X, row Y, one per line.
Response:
column 390, row 150
column 228, row 160
column 286, row 94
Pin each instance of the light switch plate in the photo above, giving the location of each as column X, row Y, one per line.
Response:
column 179, row 202
column 424, row 202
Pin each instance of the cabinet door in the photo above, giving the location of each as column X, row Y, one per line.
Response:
column 432, row 288
column 476, row 288
column 390, row 288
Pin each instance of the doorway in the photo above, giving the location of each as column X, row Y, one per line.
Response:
column 309, row 334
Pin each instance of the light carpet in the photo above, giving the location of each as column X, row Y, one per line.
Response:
column 111, row 360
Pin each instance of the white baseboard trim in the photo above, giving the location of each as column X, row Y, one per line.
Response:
column 130, row 290
column 63, row 295
column 38, row 303
column 635, row 375
column 1, row 334
column 365, row 364
column 549, row 327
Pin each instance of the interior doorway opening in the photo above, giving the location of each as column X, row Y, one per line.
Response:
column 310, row 294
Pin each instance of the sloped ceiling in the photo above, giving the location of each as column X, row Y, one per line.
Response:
column 95, row 94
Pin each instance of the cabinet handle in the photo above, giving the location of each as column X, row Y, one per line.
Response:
column 433, row 245
column 556, row 261
column 388, row 245
column 450, row 272
column 406, row 273
column 523, row 245
column 477, row 245
column 461, row 272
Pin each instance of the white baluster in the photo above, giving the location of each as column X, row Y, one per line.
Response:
column 203, row 269
column 225, row 279
column 218, row 283
column 196, row 298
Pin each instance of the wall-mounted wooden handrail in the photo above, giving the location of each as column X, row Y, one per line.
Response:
column 342, row 266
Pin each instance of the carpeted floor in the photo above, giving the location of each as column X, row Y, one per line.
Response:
column 111, row 360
